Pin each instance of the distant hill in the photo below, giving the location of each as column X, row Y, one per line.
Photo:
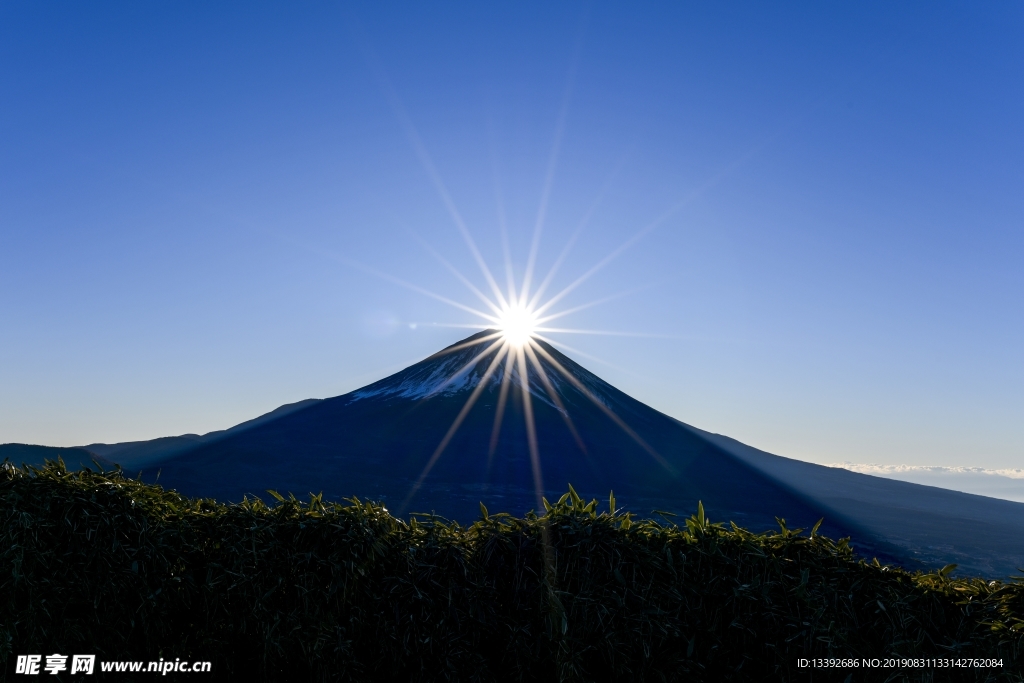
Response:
column 74, row 458
column 135, row 454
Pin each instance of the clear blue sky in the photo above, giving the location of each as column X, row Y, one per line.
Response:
column 184, row 188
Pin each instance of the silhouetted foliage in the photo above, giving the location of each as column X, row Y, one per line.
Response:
column 94, row 562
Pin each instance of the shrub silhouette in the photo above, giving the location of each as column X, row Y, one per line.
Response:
column 94, row 562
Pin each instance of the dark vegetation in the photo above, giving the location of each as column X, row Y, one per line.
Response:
column 94, row 562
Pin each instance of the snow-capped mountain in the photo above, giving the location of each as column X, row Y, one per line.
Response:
column 383, row 442
column 377, row 442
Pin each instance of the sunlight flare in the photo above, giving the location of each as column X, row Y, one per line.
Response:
column 512, row 345
column 514, row 322
column 517, row 324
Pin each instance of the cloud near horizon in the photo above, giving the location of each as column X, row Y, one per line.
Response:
column 1007, row 484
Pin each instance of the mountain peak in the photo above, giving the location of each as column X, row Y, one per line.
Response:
column 462, row 366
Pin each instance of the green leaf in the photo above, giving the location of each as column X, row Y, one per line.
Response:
column 575, row 497
column 814, row 529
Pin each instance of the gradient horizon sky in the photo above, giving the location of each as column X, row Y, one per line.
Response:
column 837, row 275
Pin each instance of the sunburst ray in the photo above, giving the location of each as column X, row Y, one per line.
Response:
column 470, row 402
column 565, row 347
column 506, row 250
column 590, row 304
column 469, row 364
column 553, row 395
column 458, row 326
column 605, row 409
column 415, row 288
column 462, row 278
column 605, row 333
column 427, row 162
column 463, row 345
column 531, row 428
column 499, row 411
column 453, row 211
column 570, row 243
column 549, row 179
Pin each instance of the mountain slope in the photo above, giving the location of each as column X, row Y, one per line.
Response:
column 933, row 525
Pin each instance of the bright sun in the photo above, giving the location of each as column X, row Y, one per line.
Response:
column 517, row 324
